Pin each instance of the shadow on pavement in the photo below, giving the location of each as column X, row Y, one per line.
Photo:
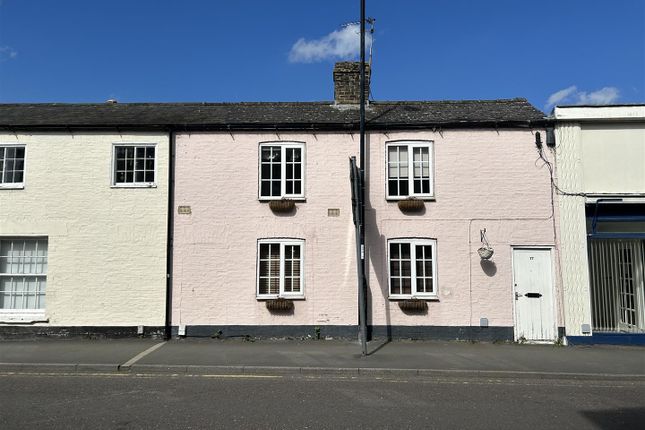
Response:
column 378, row 345
column 621, row 418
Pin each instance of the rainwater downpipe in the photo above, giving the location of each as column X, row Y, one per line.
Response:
column 362, row 293
column 170, row 233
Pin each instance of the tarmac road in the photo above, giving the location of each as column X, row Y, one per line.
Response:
column 29, row 399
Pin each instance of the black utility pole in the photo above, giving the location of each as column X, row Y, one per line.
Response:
column 362, row 290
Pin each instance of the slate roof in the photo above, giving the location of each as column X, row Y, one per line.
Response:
column 271, row 115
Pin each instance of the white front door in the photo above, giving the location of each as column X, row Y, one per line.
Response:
column 533, row 293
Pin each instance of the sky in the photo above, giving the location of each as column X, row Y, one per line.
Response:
column 548, row 51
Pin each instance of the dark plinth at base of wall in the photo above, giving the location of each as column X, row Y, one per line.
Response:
column 270, row 331
column 608, row 339
column 93, row 332
column 485, row 334
column 463, row 333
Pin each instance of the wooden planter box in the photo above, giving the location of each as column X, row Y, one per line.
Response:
column 282, row 206
column 411, row 205
column 279, row 305
column 413, row 305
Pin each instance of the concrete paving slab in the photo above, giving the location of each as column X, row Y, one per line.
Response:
column 207, row 352
column 208, row 356
column 402, row 355
column 76, row 351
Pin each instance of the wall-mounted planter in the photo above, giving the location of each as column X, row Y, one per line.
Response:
column 413, row 305
column 280, row 305
column 485, row 252
column 411, row 205
column 282, row 206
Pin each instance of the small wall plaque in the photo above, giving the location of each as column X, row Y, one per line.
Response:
column 184, row 210
column 333, row 212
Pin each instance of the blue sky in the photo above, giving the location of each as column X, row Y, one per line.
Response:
column 565, row 51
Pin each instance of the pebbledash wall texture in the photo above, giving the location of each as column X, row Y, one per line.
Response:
column 483, row 178
column 106, row 246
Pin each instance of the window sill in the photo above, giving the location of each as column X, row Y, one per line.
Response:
column 134, row 186
column 12, row 186
column 270, row 199
column 425, row 298
column 22, row 317
column 425, row 198
column 276, row 296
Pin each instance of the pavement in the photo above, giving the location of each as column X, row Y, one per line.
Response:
column 321, row 357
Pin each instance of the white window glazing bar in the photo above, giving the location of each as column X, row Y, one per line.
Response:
column 2, row 158
column 283, row 175
column 413, row 269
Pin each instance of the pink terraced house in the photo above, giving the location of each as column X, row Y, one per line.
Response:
column 460, row 222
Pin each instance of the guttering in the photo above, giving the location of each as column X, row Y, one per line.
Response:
column 296, row 127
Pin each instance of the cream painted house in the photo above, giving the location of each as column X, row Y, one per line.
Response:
column 83, row 222
column 600, row 179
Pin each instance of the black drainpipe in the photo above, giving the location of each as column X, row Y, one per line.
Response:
column 169, row 239
column 362, row 292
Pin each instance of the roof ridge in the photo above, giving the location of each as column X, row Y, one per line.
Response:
column 262, row 103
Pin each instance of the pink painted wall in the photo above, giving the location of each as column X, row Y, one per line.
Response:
column 215, row 246
column 483, row 179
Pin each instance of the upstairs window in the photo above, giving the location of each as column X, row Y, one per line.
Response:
column 12, row 166
column 134, row 165
column 280, row 268
column 409, row 170
column 282, row 170
column 412, row 268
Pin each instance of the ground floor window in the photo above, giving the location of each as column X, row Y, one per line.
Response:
column 23, row 273
column 617, row 278
column 280, row 268
column 412, row 268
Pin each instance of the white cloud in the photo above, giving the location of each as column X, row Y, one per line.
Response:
column 561, row 95
column 571, row 95
column 7, row 53
column 339, row 44
column 603, row 96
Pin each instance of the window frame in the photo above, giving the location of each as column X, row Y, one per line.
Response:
column 283, row 177
column 114, row 184
column 281, row 293
column 413, row 242
column 27, row 315
column 411, row 144
column 14, row 185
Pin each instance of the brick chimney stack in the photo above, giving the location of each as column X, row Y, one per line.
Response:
column 347, row 82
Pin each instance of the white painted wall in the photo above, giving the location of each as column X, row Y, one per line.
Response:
column 107, row 246
column 613, row 158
